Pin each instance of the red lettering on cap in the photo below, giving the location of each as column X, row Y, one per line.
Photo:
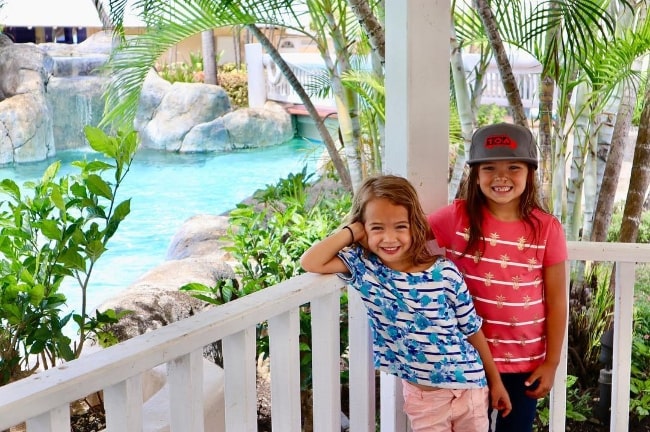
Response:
column 500, row 141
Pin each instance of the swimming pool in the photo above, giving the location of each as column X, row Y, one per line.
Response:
column 165, row 190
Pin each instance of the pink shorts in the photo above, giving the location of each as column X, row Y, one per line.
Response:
column 446, row 409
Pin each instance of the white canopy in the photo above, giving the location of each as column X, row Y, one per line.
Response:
column 57, row 13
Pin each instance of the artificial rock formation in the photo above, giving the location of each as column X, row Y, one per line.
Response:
column 49, row 92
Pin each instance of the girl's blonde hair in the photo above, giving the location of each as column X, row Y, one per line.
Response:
column 398, row 191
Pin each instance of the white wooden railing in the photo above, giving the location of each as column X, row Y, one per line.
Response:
column 309, row 70
column 42, row 400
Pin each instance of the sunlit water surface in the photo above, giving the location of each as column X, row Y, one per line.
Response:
column 165, row 190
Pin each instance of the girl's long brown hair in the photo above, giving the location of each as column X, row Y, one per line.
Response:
column 398, row 191
column 475, row 201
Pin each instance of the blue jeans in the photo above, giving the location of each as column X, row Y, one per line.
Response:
column 524, row 408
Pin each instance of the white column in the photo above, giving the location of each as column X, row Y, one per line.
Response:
column 417, row 122
column 256, row 79
column 417, row 95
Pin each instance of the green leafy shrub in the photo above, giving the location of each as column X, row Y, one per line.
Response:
column 615, row 227
column 640, row 374
column 235, row 82
column 267, row 239
column 489, row 114
column 51, row 230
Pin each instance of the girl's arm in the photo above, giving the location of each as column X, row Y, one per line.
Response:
column 322, row 256
column 556, row 322
column 499, row 398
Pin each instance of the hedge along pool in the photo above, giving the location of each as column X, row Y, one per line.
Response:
column 166, row 189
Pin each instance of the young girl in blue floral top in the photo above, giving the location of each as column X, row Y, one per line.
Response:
column 425, row 329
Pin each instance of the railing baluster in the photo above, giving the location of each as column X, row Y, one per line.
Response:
column 240, row 381
column 557, row 420
column 123, row 405
column 393, row 418
column 185, row 378
column 55, row 420
column 362, row 371
column 326, row 376
column 284, row 330
column 622, row 350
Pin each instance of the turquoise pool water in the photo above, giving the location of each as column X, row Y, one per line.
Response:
column 165, row 190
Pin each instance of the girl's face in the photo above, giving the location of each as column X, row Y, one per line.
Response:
column 502, row 183
column 388, row 233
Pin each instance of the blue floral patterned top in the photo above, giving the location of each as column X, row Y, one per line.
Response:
column 420, row 321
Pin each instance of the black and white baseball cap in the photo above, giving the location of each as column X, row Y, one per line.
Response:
column 503, row 141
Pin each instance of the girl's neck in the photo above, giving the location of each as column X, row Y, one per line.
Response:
column 506, row 213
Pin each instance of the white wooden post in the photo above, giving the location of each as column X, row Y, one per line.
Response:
column 362, row 371
column 55, row 420
column 326, row 371
column 256, row 77
column 284, row 331
column 417, row 118
column 239, row 355
column 622, row 350
column 185, row 377
column 417, row 95
column 123, row 405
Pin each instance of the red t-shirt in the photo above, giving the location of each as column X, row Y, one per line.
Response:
column 505, row 278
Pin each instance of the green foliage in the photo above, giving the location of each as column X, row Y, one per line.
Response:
column 235, row 82
column 578, row 404
column 267, row 239
column 615, row 227
column 640, row 374
column 640, row 100
column 51, row 230
column 489, row 114
column 588, row 320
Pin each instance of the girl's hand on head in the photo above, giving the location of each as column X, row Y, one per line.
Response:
column 359, row 232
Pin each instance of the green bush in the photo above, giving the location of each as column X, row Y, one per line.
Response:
column 615, row 227
column 268, row 237
column 235, row 82
column 51, row 230
column 489, row 114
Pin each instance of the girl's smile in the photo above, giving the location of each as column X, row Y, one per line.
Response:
column 502, row 183
column 388, row 233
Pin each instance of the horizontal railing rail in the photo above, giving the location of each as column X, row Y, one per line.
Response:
column 42, row 400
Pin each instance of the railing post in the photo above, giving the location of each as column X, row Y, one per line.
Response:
column 623, row 314
column 56, row 420
column 123, row 405
column 284, row 331
column 362, row 370
column 185, row 377
column 255, row 73
column 239, row 356
column 557, row 415
column 326, row 378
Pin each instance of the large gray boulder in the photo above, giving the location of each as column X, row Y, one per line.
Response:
column 182, row 107
column 25, row 120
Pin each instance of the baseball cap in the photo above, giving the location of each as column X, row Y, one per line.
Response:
column 503, row 141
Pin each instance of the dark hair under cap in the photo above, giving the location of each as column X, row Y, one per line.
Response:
column 503, row 141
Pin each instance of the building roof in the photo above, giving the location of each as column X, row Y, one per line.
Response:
column 56, row 13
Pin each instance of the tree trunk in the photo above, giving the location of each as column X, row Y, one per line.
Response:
column 371, row 25
column 639, row 177
column 464, row 104
column 309, row 106
column 505, row 69
column 209, row 57
column 614, row 161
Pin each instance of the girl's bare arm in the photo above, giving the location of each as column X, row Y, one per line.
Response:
column 322, row 256
column 556, row 322
column 499, row 398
